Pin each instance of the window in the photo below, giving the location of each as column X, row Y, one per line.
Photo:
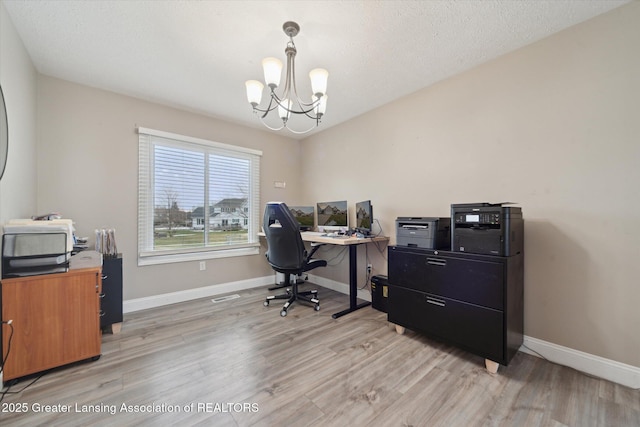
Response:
column 196, row 198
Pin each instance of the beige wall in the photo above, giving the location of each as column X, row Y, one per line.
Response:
column 18, row 79
column 555, row 127
column 87, row 170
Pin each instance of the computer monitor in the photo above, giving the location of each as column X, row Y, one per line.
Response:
column 332, row 216
column 364, row 217
column 304, row 216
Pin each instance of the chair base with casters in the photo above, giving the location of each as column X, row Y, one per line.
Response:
column 283, row 285
column 293, row 294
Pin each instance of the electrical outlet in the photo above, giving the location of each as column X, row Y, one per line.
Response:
column 203, row 265
column 369, row 268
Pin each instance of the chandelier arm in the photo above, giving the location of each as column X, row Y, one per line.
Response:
column 301, row 103
column 301, row 132
column 266, row 110
column 277, row 99
column 313, row 117
column 304, row 107
column 279, row 103
column 284, row 125
column 272, row 128
column 312, row 104
column 305, row 112
column 295, row 88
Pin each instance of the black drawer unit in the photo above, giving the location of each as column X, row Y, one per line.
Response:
column 111, row 302
column 476, row 281
column 472, row 301
column 469, row 326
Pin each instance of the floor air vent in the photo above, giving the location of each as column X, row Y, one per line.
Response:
column 225, row 298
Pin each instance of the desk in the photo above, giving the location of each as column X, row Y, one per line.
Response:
column 352, row 243
column 56, row 317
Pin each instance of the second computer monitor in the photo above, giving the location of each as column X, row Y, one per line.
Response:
column 304, row 216
column 364, row 217
column 332, row 215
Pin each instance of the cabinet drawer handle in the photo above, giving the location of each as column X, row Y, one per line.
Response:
column 101, row 295
column 104, row 277
column 102, row 313
column 434, row 301
column 437, row 261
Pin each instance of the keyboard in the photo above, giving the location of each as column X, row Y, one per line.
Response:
column 314, row 233
column 321, row 234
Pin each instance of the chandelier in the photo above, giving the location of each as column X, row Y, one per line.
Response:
column 288, row 102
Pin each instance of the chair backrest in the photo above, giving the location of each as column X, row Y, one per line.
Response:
column 286, row 251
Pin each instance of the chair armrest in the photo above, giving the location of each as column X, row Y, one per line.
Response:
column 314, row 248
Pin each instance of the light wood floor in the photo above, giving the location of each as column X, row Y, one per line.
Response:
column 253, row 367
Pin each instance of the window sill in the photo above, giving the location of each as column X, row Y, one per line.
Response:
column 196, row 256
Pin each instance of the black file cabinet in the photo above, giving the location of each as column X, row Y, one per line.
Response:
column 111, row 302
column 472, row 301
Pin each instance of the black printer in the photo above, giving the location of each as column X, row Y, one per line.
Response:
column 485, row 228
column 423, row 232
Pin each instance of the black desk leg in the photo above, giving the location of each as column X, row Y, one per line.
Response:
column 353, row 284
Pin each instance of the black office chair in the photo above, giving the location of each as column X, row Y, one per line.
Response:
column 286, row 254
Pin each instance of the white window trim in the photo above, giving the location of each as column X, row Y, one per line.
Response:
column 144, row 190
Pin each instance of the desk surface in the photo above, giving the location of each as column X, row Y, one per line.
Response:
column 317, row 237
column 85, row 259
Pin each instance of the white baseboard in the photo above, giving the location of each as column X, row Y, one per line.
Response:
column 363, row 294
column 620, row 373
column 144, row 303
column 154, row 301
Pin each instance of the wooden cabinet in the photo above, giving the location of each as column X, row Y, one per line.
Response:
column 55, row 319
column 472, row 301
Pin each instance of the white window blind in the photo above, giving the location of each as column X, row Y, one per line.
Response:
column 196, row 198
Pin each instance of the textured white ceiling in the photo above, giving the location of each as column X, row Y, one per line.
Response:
column 196, row 55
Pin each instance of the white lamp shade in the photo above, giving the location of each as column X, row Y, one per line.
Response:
column 284, row 112
column 254, row 91
column 272, row 69
column 319, row 78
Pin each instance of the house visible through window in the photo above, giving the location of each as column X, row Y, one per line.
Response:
column 197, row 199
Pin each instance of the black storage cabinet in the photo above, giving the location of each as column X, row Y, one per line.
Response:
column 472, row 301
column 111, row 302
